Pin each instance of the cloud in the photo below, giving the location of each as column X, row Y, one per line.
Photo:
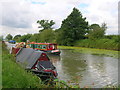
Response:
column 104, row 11
column 15, row 31
column 15, row 15
column 21, row 15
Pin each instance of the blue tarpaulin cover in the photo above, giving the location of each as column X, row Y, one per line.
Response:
column 12, row 41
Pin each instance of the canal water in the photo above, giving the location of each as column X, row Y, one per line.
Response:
column 87, row 70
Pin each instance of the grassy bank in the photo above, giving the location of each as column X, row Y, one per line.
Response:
column 110, row 53
column 109, row 44
column 0, row 65
column 13, row 76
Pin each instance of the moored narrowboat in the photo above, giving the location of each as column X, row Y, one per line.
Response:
column 46, row 47
column 36, row 61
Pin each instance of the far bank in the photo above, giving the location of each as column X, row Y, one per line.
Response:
column 111, row 53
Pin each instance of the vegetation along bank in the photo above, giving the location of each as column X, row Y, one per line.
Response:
column 93, row 51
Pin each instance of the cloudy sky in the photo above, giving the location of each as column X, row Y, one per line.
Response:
column 20, row 16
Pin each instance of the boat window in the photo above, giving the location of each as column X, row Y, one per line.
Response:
column 43, row 46
column 32, row 45
column 35, row 45
column 53, row 47
column 38, row 46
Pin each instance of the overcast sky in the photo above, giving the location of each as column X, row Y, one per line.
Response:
column 20, row 16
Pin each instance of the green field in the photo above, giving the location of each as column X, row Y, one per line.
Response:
column 110, row 53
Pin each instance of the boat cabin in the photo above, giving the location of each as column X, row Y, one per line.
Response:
column 43, row 46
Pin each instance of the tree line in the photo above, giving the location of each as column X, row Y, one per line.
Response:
column 75, row 28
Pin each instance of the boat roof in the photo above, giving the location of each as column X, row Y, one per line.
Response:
column 27, row 57
column 45, row 43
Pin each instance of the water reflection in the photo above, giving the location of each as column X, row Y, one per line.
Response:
column 73, row 64
column 91, row 70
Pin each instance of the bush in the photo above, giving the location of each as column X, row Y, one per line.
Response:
column 104, row 43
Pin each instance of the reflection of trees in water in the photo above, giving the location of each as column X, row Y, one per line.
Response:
column 73, row 63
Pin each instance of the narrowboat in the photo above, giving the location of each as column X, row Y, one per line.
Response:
column 36, row 61
column 46, row 47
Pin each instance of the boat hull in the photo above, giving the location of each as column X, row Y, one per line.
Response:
column 54, row 52
column 44, row 76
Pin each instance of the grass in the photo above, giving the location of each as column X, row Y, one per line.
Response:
column 0, row 65
column 111, row 53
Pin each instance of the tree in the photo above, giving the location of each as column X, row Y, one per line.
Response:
column 96, row 31
column 9, row 37
column 104, row 26
column 47, row 36
column 74, row 27
column 35, row 37
column 1, row 38
column 45, row 24
column 16, row 37
column 24, row 38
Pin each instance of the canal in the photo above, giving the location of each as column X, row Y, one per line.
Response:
column 85, row 69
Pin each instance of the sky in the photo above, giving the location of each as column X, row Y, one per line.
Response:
column 20, row 16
